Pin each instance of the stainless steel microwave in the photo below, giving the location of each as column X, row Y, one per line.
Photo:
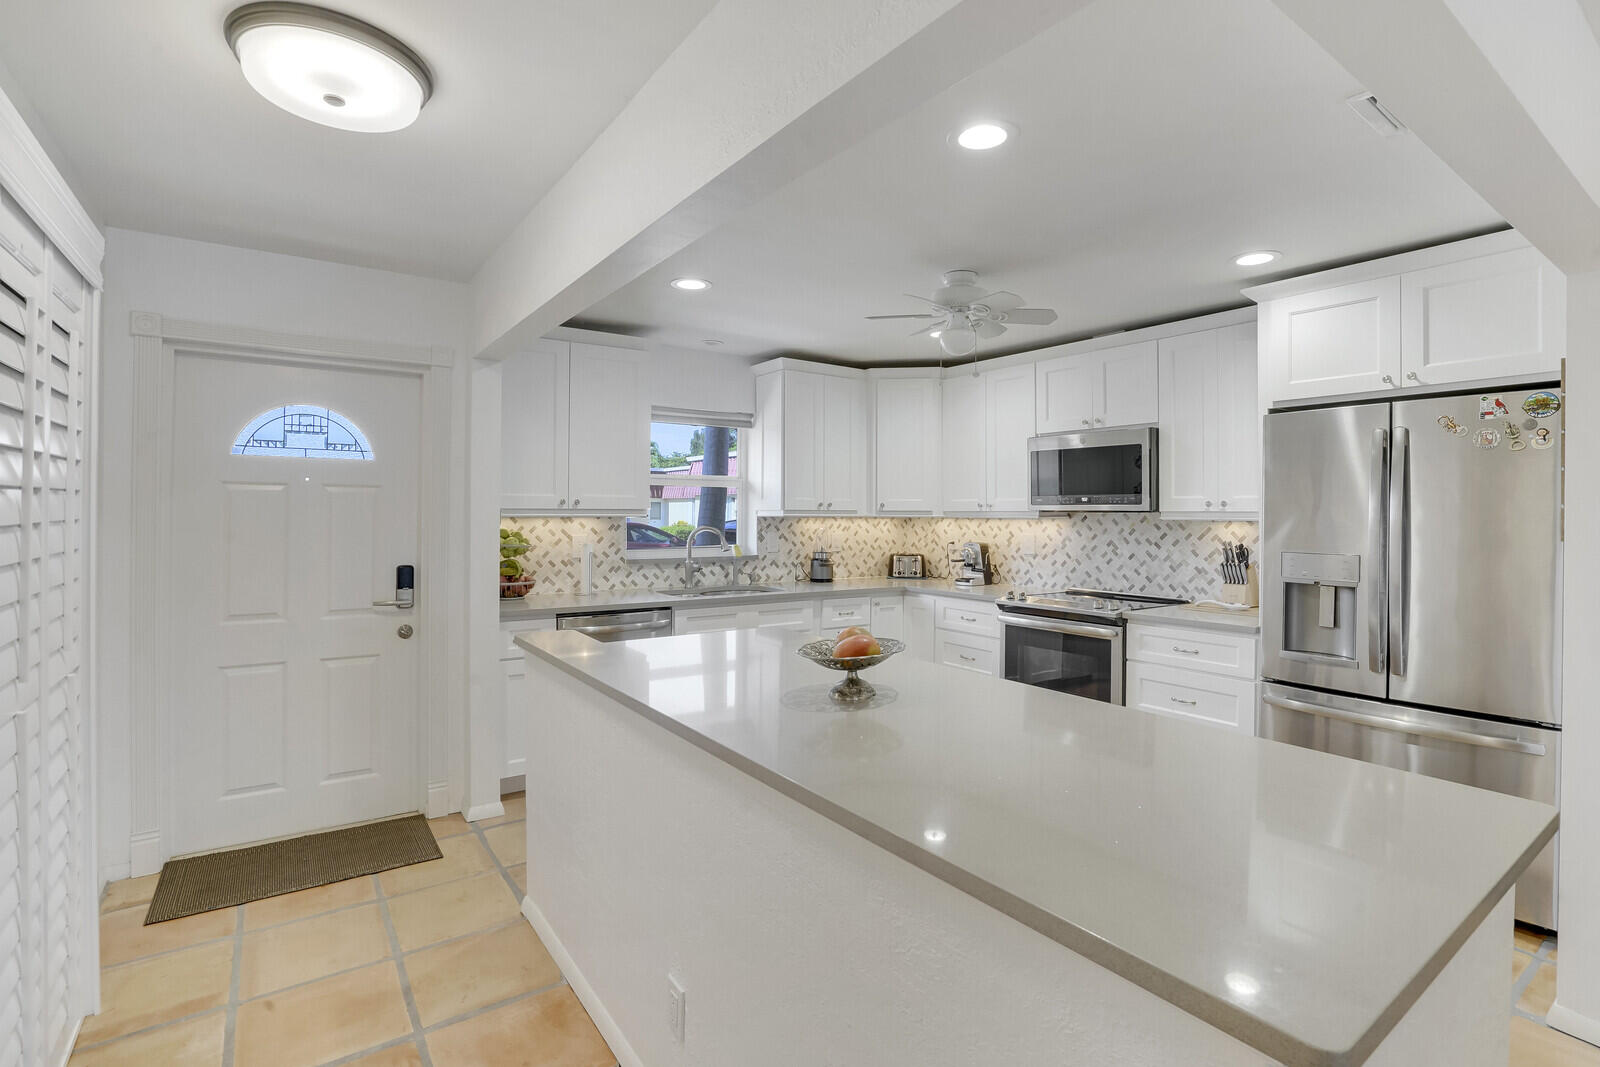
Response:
column 1095, row 470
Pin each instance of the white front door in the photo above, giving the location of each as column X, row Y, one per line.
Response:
column 295, row 496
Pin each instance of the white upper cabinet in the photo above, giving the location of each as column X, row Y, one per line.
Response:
column 1488, row 317
column 1094, row 390
column 1010, row 404
column 1340, row 340
column 1210, row 425
column 906, row 428
column 574, row 430
column 987, row 421
column 808, row 447
column 1477, row 310
column 609, row 431
column 964, row 434
column 533, row 428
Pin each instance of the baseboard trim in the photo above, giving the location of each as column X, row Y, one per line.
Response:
column 603, row 1021
column 485, row 811
column 72, row 1044
column 144, row 854
column 1568, row 1021
column 438, row 800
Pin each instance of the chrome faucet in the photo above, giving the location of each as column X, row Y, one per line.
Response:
column 689, row 565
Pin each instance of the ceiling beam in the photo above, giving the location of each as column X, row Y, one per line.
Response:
column 1497, row 91
column 760, row 92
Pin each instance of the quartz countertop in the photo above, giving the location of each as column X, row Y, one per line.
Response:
column 1298, row 901
column 1201, row 617
column 548, row 605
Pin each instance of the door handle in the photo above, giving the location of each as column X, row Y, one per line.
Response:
column 405, row 592
column 1401, row 726
column 1400, row 546
column 1377, row 554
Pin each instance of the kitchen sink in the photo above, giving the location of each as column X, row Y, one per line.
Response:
column 721, row 590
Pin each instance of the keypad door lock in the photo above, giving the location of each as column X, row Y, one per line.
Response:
column 405, row 596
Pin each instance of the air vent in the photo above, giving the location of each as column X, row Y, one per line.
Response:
column 1375, row 114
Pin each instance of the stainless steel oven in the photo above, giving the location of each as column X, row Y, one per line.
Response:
column 1070, row 641
column 1081, row 658
column 1096, row 470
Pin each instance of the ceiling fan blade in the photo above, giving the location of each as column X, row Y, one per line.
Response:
column 902, row 316
column 929, row 329
column 1031, row 317
column 925, row 300
column 1002, row 301
column 989, row 328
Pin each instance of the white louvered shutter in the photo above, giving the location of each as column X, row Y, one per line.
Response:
column 44, row 870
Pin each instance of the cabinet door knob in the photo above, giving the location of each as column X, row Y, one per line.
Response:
column 561, row 503
column 1411, row 376
column 1388, row 380
column 1098, row 420
column 1208, row 503
column 1086, row 422
column 1224, row 503
column 882, row 506
column 575, row 501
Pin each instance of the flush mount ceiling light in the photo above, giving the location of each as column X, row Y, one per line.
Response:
column 690, row 285
column 982, row 136
column 1256, row 259
column 327, row 67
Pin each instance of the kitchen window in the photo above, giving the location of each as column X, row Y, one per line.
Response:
column 695, row 481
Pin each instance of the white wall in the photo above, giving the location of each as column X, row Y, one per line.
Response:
column 235, row 287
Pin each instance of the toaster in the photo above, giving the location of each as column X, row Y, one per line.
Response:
column 906, row 566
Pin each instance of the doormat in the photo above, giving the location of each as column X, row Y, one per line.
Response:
column 238, row 876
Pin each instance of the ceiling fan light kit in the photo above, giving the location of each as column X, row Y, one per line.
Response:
column 963, row 312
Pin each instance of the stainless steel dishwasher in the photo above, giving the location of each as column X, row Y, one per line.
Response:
column 620, row 625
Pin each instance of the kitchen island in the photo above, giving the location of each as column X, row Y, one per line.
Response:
column 971, row 871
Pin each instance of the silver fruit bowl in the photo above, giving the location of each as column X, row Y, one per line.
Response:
column 852, row 690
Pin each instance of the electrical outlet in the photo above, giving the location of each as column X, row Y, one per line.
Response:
column 1030, row 546
column 677, row 1007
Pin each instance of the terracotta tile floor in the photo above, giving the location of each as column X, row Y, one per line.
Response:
column 433, row 964
column 429, row 964
column 1533, row 987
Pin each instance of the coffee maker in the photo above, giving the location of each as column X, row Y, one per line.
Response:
column 971, row 566
column 821, row 566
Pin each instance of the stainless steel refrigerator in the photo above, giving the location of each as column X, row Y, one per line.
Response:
column 1410, row 603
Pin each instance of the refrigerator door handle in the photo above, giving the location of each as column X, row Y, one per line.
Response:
column 1377, row 553
column 1400, row 539
column 1402, row 726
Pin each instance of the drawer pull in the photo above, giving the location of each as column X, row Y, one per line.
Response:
column 1180, row 700
column 1186, row 651
column 968, row 618
column 966, row 657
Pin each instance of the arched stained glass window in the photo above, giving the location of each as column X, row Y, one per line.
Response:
column 302, row 430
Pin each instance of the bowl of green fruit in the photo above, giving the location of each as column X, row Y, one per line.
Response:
column 515, row 578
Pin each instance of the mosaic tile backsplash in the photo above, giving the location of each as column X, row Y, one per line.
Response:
column 1122, row 552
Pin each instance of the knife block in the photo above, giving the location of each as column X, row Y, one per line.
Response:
column 1247, row 595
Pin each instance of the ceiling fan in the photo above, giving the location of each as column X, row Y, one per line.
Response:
column 964, row 312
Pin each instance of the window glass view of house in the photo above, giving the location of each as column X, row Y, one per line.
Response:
column 694, row 482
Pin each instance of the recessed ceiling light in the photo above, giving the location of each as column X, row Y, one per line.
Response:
column 1255, row 259
column 934, row 836
column 327, row 67
column 982, row 136
column 690, row 285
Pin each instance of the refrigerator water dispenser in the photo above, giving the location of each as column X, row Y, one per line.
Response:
column 1319, row 604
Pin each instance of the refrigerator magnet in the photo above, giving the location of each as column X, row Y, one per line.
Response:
column 1541, row 405
column 1486, row 407
column 1518, row 445
column 1451, row 426
column 1488, row 437
column 1543, row 438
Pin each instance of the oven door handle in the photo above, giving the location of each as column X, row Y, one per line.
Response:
column 1057, row 626
column 1402, row 726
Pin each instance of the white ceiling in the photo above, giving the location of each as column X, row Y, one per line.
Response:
column 1156, row 141
column 162, row 133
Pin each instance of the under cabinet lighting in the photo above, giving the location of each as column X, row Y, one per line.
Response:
column 327, row 67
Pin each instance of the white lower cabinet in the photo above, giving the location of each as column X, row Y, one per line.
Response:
column 801, row 617
column 795, row 615
column 704, row 620
column 1211, row 698
column 1191, row 673
column 919, row 627
column 838, row 613
column 968, row 651
column 888, row 616
column 514, row 670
